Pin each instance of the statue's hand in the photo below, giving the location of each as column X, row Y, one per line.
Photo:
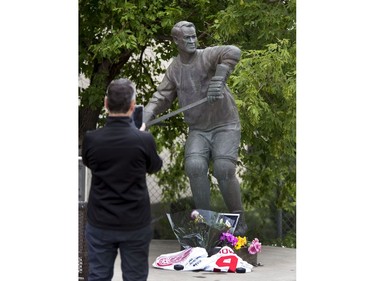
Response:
column 215, row 89
column 147, row 117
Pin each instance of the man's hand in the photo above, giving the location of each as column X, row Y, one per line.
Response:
column 215, row 89
column 143, row 127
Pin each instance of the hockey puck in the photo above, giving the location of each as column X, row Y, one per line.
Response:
column 178, row 267
column 240, row 270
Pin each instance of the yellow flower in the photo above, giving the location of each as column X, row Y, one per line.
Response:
column 242, row 241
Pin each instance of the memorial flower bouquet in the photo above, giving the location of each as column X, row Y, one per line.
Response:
column 243, row 247
column 238, row 242
column 199, row 228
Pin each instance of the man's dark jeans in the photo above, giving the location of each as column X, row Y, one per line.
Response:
column 103, row 245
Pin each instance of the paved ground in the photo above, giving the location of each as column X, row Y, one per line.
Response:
column 279, row 264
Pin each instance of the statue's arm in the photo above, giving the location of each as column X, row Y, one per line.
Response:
column 161, row 100
column 228, row 55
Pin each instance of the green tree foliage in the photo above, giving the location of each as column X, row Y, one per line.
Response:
column 252, row 24
column 264, row 83
column 265, row 88
column 114, row 37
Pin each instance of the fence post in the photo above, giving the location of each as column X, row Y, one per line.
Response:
column 279, row 222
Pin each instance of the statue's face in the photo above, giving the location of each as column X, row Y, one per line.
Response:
column 187, row 41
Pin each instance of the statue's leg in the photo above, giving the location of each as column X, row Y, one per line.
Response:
column 225, row 153
column 225, row 173
column 196, row 168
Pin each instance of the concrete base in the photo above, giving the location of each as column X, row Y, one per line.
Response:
column 279, row 264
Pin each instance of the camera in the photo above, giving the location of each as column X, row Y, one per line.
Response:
column 138, row 116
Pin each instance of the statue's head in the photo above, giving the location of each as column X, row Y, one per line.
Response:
column 184, row 36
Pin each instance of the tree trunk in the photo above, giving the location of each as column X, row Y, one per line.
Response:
column 103, row 74
column 87, row 118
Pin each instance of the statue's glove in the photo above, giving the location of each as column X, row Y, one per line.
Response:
column 217, row 83
column 215, row 89
column 147, row 117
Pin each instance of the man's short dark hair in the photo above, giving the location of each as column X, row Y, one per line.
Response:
column 120, row 93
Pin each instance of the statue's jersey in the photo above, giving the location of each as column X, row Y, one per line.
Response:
column 189, row 83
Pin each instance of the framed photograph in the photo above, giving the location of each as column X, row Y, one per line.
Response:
column 232, row 218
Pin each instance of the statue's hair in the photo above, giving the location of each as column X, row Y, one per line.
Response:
column 177, row 27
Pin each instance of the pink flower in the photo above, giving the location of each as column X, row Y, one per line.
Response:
column 255, row 246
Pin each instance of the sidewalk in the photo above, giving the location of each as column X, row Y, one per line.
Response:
column 279, row 264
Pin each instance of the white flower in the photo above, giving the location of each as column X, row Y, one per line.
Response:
column 228, row 224
column 194, row 214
